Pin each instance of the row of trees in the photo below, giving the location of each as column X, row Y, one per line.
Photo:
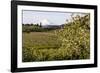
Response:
column 38, row 25
column 36, row 28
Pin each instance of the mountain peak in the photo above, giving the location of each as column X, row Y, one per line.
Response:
column 45, row 22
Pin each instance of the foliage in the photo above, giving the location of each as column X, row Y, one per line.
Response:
column 76, row 37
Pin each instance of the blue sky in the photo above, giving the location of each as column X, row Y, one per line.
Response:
column 56, row 18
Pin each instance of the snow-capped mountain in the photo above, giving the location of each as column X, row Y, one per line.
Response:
column 47, row 24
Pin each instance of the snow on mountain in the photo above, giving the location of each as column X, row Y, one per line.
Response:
column 45, row 22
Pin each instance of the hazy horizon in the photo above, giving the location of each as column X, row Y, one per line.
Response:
column 45, row 17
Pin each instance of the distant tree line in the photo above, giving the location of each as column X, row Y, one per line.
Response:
column 36, row 28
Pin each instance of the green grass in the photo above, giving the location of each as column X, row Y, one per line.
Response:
column 41, row 40
column 38, row 46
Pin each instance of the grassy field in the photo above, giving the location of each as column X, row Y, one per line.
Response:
column 69, row 43
column 41, row 40
column 37, row 45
